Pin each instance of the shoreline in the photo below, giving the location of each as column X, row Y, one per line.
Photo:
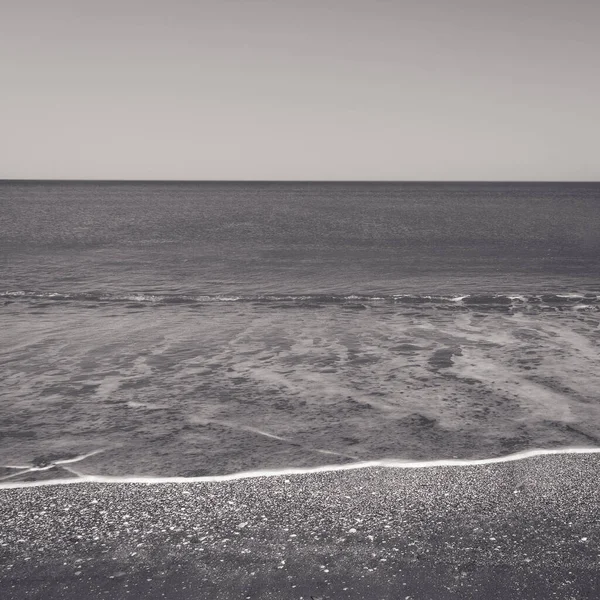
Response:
column 384, row 463
column 524, row 527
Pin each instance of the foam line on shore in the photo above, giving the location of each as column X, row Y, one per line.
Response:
column 387, row 463
column 50, row 465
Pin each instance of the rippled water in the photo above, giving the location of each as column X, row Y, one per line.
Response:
column 192, row 329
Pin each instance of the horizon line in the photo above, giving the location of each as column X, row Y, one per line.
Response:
column 111, row 180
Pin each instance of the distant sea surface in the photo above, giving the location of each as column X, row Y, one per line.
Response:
column 209, row 328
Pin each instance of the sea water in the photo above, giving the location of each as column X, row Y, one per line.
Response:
column 191, row 329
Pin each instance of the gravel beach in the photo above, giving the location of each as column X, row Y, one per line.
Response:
column 528, row 528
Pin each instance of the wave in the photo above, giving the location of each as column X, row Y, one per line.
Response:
column 384, row 463
column 577, row 301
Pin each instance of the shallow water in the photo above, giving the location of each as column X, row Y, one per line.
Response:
column 203, row 329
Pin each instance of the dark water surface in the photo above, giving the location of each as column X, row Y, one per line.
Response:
column 207, row 328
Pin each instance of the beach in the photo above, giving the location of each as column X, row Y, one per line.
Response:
column 300, row 300
column 523, row 528
column 299, row 390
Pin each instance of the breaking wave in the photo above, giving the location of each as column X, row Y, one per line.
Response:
column 547, row 300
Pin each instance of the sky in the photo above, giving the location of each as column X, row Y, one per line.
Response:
column 303, row 89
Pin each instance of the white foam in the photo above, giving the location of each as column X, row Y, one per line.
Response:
column 265, row 433
column 281, row 439
column 13, row 475
column 50, row 465
column 394, row 464
column 79, row 458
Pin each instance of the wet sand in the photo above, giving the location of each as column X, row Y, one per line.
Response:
column 527, row 528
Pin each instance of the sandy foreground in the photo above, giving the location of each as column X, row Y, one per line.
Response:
column 528, row 528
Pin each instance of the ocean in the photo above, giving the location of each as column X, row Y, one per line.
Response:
column 191, row 329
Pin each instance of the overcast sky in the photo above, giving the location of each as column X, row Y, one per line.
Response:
column 304, row 89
